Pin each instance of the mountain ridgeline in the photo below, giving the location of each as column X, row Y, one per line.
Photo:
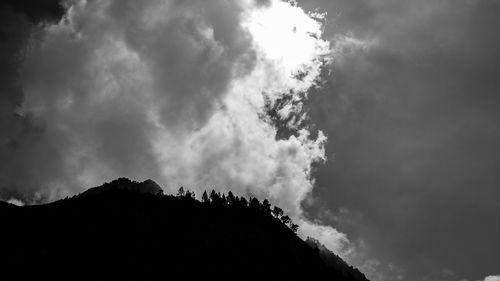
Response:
column 130, row 230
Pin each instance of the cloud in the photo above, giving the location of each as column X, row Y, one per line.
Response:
column 15, row 202
column 174, row 91
column 348, row 45
column 330, row 237
column 492, row 278
column 413, row 114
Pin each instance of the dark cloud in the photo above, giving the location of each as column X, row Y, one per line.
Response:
column 174, row 90
column 19, row 20
column 34, row 11
column 188, row 60
column 78, row 93
column 413, row 127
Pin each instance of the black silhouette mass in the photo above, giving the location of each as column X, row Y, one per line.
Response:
column 127, row 229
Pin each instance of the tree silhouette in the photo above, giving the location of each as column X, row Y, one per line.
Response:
column 190, row 194
column 214, row 196
column 266, row 206
column 217, row 198
column 243, row 202
column 204, row 197
column 277, row 212
column 231, row 200
column 255, row 204
column 285, row 219
column 181, row 192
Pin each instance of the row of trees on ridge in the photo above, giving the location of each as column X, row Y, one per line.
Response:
column 232, row 200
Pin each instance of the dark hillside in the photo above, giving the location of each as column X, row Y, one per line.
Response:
column 340, row 268
column 129, row 230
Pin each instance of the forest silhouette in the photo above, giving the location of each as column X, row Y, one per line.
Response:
column 131, row 230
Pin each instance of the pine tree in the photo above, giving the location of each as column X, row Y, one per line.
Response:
column 266, row 206
column 243, row 202
column 231, row 200
column 180, row 192
column 204, row 197
column 277, row 212
column 285, row 219
column 214, row 197
column 255, row 204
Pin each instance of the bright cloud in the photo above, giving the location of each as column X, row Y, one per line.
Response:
column 492, row 278
column 15, row 202
column 176, row 92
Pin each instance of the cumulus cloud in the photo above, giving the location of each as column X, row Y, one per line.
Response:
column 492, row 278
column 15, row 202
column 175, row 91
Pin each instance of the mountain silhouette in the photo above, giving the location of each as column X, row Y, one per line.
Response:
column 126, row 230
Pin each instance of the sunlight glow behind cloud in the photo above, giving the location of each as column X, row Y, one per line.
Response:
column 176, row 92
column 287, row 36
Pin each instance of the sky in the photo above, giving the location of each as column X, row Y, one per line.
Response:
column 411, row 113
column 373, row 123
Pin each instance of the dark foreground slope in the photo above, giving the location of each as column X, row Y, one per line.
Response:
column 124, row 230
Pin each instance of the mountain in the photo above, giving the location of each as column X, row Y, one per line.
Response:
column 147, row 186
column 125, row 230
